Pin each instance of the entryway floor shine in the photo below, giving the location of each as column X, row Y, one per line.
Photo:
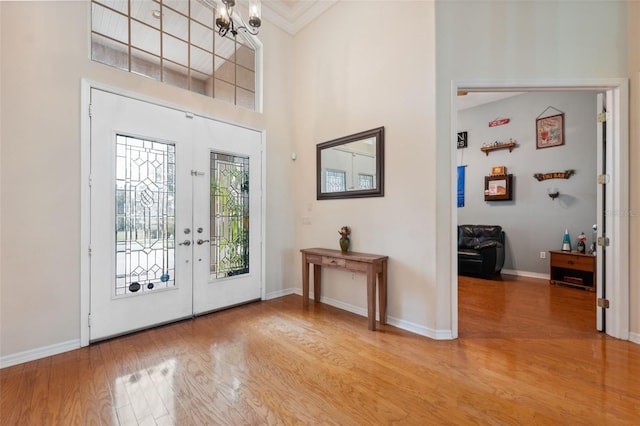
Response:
column 528, row 353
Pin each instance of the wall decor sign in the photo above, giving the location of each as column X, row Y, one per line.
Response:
column 462, row 140
column 554, row 175
column 550, row 131
column 498, row 170
column 499, row 122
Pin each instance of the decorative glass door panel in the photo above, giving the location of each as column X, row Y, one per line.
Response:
column 145, row 215
column 229, row 220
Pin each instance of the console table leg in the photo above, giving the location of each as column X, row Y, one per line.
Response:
column 382, row 293
column 317, row 277
column 305, row 281
column 371, row 297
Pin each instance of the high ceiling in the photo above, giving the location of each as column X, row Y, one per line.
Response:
column 293, row 15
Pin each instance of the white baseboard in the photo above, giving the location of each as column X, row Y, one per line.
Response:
column 281, row 293
column 33, row 354
column 396, row 322
column 420, row 329
column 525, row 274
column 58, row 348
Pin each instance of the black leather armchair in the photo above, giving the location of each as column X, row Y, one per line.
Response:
column 480, row 249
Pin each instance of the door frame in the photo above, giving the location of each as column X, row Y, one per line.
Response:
column 86, row 86
column 617, row 276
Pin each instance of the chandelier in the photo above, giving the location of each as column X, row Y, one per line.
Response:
column 226, row 21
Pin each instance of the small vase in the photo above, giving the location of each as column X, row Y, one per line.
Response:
column 344, row 244
column 581, row 246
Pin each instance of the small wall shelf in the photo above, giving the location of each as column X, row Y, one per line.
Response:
column 487, row 149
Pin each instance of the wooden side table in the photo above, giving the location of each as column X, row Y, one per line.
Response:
column 573, row 269
column 374, row 265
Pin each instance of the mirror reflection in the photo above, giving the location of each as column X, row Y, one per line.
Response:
column 351, row 166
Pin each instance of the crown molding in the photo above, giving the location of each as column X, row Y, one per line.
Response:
column 293, row 17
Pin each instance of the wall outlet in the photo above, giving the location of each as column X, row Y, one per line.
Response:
column 543, row 255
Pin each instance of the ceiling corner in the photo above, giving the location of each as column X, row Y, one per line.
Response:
column 293, row 15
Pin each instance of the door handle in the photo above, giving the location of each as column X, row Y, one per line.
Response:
column 185, row 243
column 201, row 242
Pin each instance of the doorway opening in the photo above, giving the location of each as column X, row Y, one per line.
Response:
column 616, row 266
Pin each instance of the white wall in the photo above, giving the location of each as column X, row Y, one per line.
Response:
column 532, row 222
column 44, row 55
column 500, row 41
column 634, row 170
column 359, row 66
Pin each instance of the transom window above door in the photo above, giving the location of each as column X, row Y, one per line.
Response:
column 175, row 41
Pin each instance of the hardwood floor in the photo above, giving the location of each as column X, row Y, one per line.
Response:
column 528, row 353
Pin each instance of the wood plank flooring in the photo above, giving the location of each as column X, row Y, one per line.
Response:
column 528, row 353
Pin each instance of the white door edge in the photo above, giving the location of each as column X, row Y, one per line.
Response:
column 85, row 211
column 263, row 208
column 601, row 105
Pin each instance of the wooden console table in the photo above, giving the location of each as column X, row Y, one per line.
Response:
column 374, row 265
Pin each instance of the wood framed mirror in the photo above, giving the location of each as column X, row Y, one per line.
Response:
column 351, row 166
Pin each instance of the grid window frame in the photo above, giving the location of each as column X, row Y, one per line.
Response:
column 366, row 181
column 335, row 180
column 119, row 50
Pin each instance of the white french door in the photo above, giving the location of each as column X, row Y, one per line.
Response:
column 227, row 204
column 175, row 215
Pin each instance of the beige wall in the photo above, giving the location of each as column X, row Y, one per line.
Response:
column 362, row 65
column 634, row 148
column 44, row 51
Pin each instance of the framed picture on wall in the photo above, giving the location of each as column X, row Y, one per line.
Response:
column 498, row 188
column 550, row 131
